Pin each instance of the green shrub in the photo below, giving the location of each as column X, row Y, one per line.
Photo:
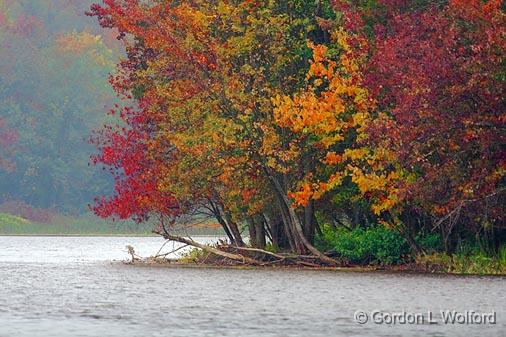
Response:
column 193, row 255
column 431, row 242
column 375, row 245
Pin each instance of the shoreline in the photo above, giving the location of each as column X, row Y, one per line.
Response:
column 415, row 269
column 79, row 235
column 420, row 267
column 95, row 235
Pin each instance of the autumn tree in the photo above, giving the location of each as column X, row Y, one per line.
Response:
column 435, row 72
column 408, row 113
column 207, row 72
column 270, row 115
column 439, row 74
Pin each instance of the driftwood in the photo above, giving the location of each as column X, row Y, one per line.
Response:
column 158, row 255
column 212, row 250
column 280, row 258
column 131, row 251
column 248, row 255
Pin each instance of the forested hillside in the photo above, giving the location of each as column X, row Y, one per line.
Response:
column 54, row 68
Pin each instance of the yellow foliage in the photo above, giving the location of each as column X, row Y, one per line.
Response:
column 333, row 104
column 79, row 43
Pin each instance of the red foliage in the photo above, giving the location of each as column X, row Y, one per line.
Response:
column 438, row 72
column 124, row 152
column 127, row 151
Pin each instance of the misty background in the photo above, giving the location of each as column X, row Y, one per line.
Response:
column 54, row 66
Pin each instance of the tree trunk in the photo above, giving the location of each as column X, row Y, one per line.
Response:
column 228, row 226
column 309, row 221
column 234, row 229
column 260, row 233
column 217, row 214
column 252, row 233
column 301, row 242
column 225, row 219
column 273, row 229
column 227, row 232
column 295, row 243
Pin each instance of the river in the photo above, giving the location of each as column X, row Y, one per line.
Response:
column 75, row 286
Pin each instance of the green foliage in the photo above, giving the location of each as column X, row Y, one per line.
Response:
column 193, row 255
column 270, row 248
column 375, row 245
column 501, row 256
column 430, row 242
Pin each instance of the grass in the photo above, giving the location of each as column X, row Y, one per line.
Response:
column 475, row 263
column 66, row 225
column 86, row 225
column 12, row 221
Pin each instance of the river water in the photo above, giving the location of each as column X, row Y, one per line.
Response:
column 69, row 286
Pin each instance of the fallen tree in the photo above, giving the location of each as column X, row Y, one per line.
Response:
column 251, row 256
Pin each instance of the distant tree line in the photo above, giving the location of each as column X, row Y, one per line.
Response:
column 53, row 88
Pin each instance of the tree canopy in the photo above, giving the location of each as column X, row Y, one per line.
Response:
column 279, row 116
